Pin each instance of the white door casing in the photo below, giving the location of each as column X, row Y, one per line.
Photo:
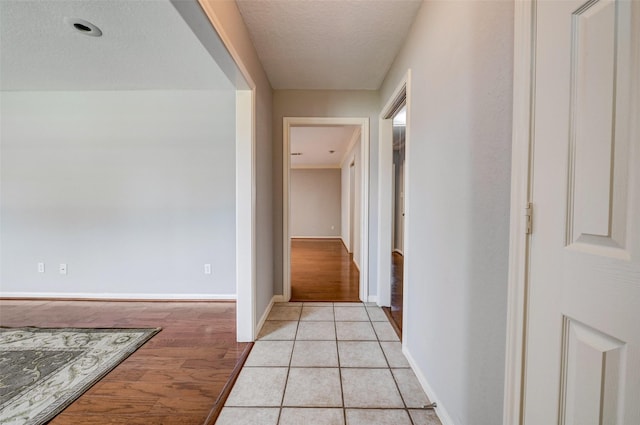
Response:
column 352, row 206
column 287, row 123
column 386, row 195
column 581, row 340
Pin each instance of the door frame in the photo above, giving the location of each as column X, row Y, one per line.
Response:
column 351, row 206
column 521, row 165
column 287, row 123
column 397, row 217
column 385, row 197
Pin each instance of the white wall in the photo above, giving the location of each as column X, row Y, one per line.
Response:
column 353, row 156
column 325, row 103
column 132, row 190
column 315, row 202
column 458, row 165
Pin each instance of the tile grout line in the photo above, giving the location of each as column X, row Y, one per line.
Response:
column 406, row 408
column 344, row 407
column 286, row 379
column 379, row 341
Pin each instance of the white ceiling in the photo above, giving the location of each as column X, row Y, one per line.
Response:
column 315, row 143
column 146, row 44
column 326, row 44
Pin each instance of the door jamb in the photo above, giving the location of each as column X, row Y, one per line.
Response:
column 521, row 166
column 351, row 205
column 287, row 123
column 385, row 202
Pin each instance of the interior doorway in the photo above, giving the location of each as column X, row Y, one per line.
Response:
column 202, row 19
column 395, row 310
column 399, row 152
column 393, row 201
column 352, row 206
column 573, row 342
column 319, row 254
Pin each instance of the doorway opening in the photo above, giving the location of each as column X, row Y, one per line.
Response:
column 325, row 205
column 393, row 202
column 399, row 122
column 202, row 19
column 352, row 205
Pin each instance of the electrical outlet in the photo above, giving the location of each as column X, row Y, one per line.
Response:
column 207, row 269
column 40, row 267
column 63, row 268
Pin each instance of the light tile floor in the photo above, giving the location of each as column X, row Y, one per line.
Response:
column 327, row 364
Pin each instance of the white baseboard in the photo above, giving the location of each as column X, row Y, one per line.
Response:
column 316, row 237
column 344, row 243
column 441, row 410
column 120, row 296
column 372, row 299
column 274, row 299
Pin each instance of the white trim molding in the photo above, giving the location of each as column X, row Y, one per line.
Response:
column 245, row 216
column 385, row 191
column 287, row 123
column 440, row 410
column 274, row 299
column 523, row 85
column 119, row 296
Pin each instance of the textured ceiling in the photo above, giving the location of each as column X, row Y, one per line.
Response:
column 326, row 44
column 315, row 143
column 146, row 44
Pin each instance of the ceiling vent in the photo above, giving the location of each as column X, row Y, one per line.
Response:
column 84, row 27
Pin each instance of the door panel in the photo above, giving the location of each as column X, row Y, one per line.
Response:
column 599, row 119
column 593, row 381
column 593, row 39
column 583, row 326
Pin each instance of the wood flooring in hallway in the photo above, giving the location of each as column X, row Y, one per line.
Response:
column 322, row 270
column 175, row 378
column 397, row 279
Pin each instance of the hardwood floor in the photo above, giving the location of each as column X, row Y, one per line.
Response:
column 175, row 378
column 395, row 311
column 322, row 270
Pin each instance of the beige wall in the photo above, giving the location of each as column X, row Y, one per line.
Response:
column 458, row 164
column 353, row 156
column 323, row 103
column 315, row 202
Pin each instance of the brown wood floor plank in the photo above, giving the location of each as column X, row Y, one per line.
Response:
column 322, row 270
column 394, row 313
column 175, row 378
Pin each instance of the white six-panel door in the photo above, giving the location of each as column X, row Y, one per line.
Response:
column 582, row 351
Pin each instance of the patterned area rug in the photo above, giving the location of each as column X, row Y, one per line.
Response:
column 42, row 371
